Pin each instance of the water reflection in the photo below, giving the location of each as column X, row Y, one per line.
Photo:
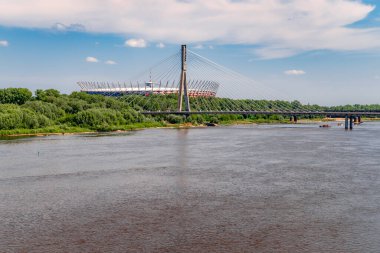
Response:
column 181, row 185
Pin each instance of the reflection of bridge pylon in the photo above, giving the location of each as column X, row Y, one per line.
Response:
column 183, row 88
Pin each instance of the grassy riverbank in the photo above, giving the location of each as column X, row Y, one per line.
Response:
column 59, row 130
column 62, row 130
column 55, row 130
column 49, row 112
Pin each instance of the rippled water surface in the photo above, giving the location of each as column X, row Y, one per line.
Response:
column 225, row 189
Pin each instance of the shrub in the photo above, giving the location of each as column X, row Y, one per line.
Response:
column 12, row 117
column 195, row 119
column 174, row 119
column 214, row 120
column 98, row 117
column 49, row 110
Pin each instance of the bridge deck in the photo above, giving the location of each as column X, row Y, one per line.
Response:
column 287, row 113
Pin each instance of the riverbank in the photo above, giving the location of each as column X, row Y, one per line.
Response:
column 65, row 130
column 62, row 130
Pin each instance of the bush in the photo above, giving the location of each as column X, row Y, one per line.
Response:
column 131, row 116
column 195, row 119
column 76, row 105
column 12, row 117
column 94, row 118
column 174, row 119
column 276, row 117
column 214, row 120
column 49, row 110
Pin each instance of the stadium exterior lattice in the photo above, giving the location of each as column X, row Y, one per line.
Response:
column 195, row 88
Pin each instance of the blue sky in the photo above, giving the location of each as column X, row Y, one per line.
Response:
column 311, row 58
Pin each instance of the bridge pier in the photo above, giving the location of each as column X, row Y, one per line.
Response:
column 346, row 122
column 351, row 122
column 295, row 119
column 360, row 119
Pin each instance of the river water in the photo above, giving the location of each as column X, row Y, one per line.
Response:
column 278, row 188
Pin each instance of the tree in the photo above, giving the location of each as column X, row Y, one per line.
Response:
column 15, row 96
column 43, row 94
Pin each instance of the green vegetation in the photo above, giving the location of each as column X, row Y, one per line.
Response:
column 51, row 112
column 15, row 96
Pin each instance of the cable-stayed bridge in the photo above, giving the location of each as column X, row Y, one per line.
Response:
column 201, row 86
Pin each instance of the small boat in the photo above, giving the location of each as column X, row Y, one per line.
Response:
column 324, row 126
column 211, row 124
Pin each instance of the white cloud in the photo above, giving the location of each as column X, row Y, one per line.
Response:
column 160, row 45
column 109, row 62
column 281, row 28
column 272, row 52
column 141, row 43
column 68, row 28
column 294, row 72
column 4, row 43
column 199, row 46
column 92, row 59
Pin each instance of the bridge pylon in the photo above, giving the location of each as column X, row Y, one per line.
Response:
column 183, row 92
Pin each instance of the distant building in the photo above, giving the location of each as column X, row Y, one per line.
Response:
column 196, row 88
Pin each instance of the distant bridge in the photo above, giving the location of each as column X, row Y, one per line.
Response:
column 351, row 118
column 285, row 113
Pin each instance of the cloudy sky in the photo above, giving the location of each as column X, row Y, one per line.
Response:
column 316, row 51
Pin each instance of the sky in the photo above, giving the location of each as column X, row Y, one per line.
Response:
column 316, row 51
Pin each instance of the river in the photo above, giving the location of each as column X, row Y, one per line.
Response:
column 247, row 188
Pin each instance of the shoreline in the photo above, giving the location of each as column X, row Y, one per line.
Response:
column 167, row 126
column 78, row 131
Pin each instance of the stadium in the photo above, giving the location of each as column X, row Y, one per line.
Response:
column 195, row 88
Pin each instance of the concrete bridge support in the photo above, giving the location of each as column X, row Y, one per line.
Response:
column 351, row 122
column 293, row 119
column 346, row 122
